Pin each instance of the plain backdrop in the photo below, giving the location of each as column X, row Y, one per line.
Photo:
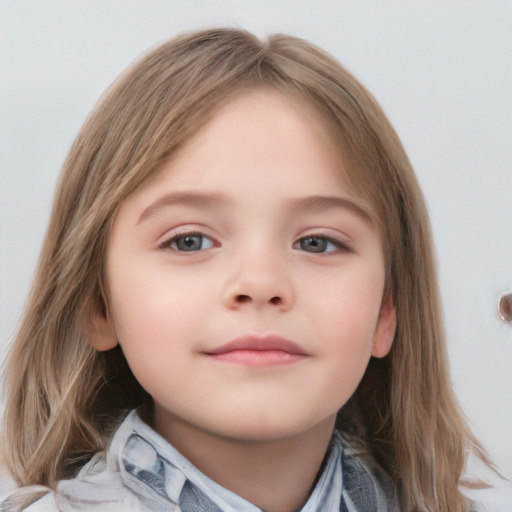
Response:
column 442, row 69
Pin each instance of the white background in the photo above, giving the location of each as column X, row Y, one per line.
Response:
column 442, row 69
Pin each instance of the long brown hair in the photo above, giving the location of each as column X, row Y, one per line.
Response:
column 63, row 398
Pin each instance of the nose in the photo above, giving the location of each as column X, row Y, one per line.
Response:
column 259, row 282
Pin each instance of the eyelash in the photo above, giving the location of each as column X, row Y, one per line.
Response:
column 338, row 245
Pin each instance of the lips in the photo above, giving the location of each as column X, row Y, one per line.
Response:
column 254, row 350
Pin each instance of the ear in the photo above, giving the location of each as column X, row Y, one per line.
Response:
column 386, row 328
column 101, row 333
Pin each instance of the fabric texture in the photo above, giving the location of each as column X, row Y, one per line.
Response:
column 141, row 471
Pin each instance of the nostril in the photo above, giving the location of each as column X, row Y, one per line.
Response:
column 243, row 299
column 276, row 300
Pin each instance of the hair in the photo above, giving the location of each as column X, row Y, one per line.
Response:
column 63, row 398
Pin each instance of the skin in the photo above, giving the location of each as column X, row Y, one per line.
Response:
column 267, row 261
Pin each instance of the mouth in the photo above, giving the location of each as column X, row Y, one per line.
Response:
column 252, row 350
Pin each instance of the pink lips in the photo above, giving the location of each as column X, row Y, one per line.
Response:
column 253, row 350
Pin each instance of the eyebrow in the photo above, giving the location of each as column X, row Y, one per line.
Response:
column 312, row 204
column 323, row 203
column 193, row 199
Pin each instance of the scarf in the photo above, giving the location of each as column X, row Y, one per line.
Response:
column 141, row 471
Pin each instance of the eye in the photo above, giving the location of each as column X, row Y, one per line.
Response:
column 188, row 242
column 320, row 244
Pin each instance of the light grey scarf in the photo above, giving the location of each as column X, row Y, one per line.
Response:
column 141, row 471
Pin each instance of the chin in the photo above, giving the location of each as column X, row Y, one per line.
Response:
column 264, row 428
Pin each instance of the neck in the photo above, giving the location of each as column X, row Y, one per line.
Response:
column 275, row 475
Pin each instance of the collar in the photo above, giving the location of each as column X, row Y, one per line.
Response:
column 156, row 471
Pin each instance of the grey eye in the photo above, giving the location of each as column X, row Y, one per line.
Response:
column 317, row 244
column 189, row 242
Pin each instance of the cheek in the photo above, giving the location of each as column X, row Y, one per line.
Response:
column 346, row 315
column 153, row 329
column 151, row 309
column 349, row 302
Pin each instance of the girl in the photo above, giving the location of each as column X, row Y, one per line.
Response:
column 240, row 255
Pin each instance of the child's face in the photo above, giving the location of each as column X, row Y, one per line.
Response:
column 245, row 285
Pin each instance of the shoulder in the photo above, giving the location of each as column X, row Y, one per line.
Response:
column 95, row 488
column 35, row 498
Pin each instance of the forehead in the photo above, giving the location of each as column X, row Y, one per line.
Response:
column 258, row 136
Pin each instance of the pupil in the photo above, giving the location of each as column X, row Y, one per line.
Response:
column 190, row 243
column 313, row 244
